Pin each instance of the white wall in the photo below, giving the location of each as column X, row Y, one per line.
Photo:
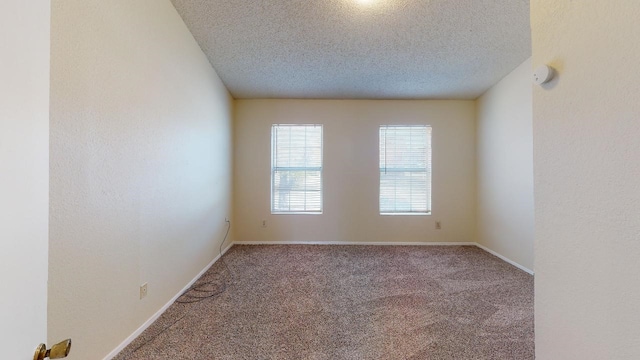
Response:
column 351, row 171
column 140, row 166
column 24, row 175
column 505, row 167
column 587, row 188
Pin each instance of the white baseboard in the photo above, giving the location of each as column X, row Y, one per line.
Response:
column 388, row 243
column 155, row 316
column 380, row 243
column 505, row 259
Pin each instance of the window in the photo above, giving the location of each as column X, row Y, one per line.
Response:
column 296, row 169
column 405, row 170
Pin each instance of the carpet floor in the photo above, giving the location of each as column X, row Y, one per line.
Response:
column 349, row 302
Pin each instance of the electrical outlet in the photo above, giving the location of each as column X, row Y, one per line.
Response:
column 438, row 225
column 143, row 291
column 264, row 223
column 226, row 219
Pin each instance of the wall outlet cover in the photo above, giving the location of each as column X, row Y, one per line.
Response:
column 143, row 291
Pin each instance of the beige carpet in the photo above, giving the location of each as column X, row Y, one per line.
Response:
column 350, row 302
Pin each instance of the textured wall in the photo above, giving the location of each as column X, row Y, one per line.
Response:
column 140, row 166
column 351, row 186
column 24, row 175
column 505, row 167
column 587, row 192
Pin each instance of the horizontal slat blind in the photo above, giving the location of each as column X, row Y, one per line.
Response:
column 405, row 169
column 296, row 169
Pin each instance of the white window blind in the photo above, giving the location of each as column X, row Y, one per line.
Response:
column 296, row 169
column 405, row 169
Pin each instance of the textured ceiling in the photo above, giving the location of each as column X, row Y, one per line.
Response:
column 384, row 49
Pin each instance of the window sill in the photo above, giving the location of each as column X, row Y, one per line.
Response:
column 296, row 213
column 406, row 214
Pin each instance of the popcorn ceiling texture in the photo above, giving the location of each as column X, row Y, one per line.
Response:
column 351, row 302
column 344, row 49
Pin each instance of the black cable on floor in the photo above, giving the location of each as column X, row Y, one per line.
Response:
column 196, row 293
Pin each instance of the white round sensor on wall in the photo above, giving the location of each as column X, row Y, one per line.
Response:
column 542, row 75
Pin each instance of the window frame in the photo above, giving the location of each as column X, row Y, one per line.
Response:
column 273, row 172
column 428, row 170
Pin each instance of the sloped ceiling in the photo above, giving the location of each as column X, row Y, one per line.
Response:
column 375, row 49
